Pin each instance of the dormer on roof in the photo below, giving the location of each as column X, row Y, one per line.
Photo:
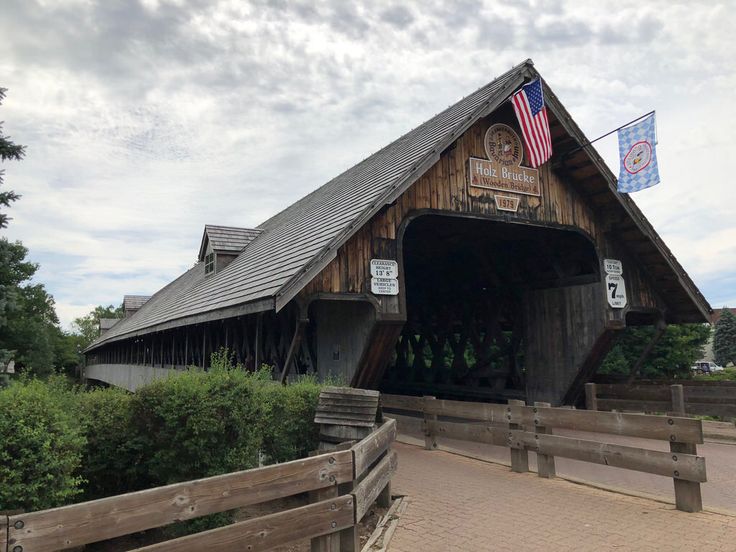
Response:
column 131, row 303
column 107, row 323
column 221, row 244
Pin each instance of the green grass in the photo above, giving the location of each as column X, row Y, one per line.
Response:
column 728, row 374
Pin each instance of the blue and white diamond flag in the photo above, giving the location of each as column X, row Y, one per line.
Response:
column 636, row 148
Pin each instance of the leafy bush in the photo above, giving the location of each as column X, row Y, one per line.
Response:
column 286, row 419
column 199, row 424
column 41, row 445
column 111, row 461
column 195, row 424
column 672, row 356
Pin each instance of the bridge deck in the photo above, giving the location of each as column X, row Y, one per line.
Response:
column 458, row 503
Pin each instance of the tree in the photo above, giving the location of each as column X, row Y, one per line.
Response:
column 28, row 322
column 724, row 338
column 88, row 327
column 8, row 150
column 673, row 355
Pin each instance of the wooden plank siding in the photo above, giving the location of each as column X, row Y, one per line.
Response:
column 444, row 189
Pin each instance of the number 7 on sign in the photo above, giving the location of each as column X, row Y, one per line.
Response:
column 614, row 287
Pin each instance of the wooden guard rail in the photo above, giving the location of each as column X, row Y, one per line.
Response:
column 691, row 397
column 529, row 428
column 368, row 465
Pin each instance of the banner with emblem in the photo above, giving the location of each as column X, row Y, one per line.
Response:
column 636, row 146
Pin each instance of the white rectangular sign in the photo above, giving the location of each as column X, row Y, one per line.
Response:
column 384, row 268
column 613, row 266
column 384, row 286
column 616, row 291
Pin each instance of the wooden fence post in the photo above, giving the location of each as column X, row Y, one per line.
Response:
column 348, row 539
column 430, row 441
column 3, row 533
column 687, row 493
column 591, row 400
column 545, row 462
column 678, row 399
column 331, row 542
column 519, row 457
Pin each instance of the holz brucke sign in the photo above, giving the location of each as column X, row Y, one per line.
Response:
column 502, row 170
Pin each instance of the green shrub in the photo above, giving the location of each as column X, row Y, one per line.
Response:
column 111, row 461
column 286, row 418
column 41, row 445
column 195, row 424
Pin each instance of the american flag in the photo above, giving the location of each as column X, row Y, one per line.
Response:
column 529, row 108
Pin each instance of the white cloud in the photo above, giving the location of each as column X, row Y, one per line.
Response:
column 144, row 122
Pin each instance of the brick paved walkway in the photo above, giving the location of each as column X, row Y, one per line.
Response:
column 720, row 460
column 458, row 503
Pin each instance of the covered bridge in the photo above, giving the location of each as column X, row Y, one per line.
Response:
column 440, row 264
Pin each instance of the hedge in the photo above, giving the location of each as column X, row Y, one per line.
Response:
column 57, row 443
column 41, row 445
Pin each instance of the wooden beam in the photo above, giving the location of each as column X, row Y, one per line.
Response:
column 293, row 348
column 368, row 490
column 372, row 447
column 685, row 466
column 259, row 337
column 267, row 532
column 661, row 328
column 79, row 524
column 590, row 365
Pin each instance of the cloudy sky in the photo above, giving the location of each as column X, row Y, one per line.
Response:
column 146, row 120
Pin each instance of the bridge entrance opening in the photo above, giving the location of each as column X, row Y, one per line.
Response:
column 473, row 319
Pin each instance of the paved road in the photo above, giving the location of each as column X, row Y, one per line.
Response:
column 459, row 503
column 720, row 459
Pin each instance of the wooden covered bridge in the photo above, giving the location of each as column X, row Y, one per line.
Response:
column 440, row 264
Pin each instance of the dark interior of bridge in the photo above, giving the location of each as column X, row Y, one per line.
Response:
column 465, row 280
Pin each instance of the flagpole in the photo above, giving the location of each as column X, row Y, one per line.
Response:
column 581, row 146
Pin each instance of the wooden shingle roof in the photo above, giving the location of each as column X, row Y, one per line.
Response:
column 134, row 302
column 297, row 242
column 294, row 245
column 226, row 239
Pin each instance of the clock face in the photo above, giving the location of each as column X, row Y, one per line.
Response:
column 503, row 145
column 638, row 157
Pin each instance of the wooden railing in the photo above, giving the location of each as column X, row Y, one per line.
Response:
column 367, row 467
column 530, row 428
column 688, row 397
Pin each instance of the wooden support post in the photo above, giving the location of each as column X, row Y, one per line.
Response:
column 257, row 347
column 348, row 539
column 519, row 457
column 591, row 400
column 331, row 542
column 384, row 499
column 678, row 399
column 204, row 346
column 292, row 349
column 430, row 439
column 545, row 462
column 661, row 327
column 687, row 493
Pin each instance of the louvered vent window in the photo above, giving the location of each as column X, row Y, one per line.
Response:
column 209, row 264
